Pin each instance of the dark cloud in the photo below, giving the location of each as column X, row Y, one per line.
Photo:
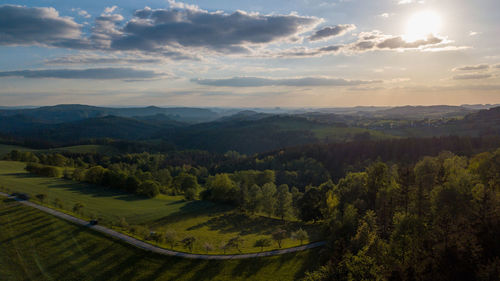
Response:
column 183, row 30
column 292, row 82
column 91, row 73
column 399, row 43
column 367, row 41
column 472, row 67
column 473, row 76
column 101, row 60
column 106, row 29
column 38, row 26
column 152, row 30
column 310, row 52
column 332, row 31
column 165, row 32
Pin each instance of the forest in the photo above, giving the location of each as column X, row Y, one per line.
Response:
column 429, row 214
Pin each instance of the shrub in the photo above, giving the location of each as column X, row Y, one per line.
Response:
column 41, row 197
column 264, row 242
column 300, row 235
column 170, row 238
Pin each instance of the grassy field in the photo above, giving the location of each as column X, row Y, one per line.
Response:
column 6, row 148
column 37, row 246
column 89, row 148
column 206, row 221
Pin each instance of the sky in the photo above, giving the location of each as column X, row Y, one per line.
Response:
column 226, row 53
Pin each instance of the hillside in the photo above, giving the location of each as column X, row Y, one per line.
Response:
column 74, row 112
column 421, row 112
column 63, row 133
column 37, row 246
column 245, row 131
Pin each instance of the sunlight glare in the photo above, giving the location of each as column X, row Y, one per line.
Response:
column 421, row 25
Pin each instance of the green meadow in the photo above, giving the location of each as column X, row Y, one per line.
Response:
column 206, row 221
column 88, row 148
column 38, row 246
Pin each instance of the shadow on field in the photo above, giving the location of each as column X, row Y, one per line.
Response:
column 190, row 210
column 84, row 188
column 53, row 249
column 97, row 191
column 21, row 175
column 245, row 224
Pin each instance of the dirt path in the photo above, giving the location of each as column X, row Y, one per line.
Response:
column 146, row 246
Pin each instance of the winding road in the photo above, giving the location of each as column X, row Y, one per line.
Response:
column 149, row 247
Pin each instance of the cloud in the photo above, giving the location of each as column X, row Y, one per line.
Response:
column 309, row 52
column 472, row 67
column 366, row 42
column 106, row 28
column 181, row 32
column 109, row 10
column 189, row 26
column 21, row 25
column 91, row 73
column 185, row 31
column 473, row 76
column 290, row 82
column 404, row 2
column 93, row 59
column 81, row 13
column 332, row 31
column 445, row 48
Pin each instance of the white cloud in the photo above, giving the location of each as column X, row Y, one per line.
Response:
column 472, row 76
column 81, row 13
column 289, row 82
column 109, row 10
column 404, row 2
column 332, row 31
column 472, row 67
column 91, row 73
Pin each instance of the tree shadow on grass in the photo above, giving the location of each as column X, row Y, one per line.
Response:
column 97, row 191
column 32, row 221
column 313, row 260
column 245, row 224
column 306, row 260
column 167, row 264
column 11, row 211
column 208, row 271
column 85, row 188
column 22, row 175
column 32, row 230
column 190, row 210
column 248, row 267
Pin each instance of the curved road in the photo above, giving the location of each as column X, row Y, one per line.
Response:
column 146, row 246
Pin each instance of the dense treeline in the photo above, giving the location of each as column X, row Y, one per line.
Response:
column 43, row 170
column 339, row 158
column 436, row 220
column 297, row 167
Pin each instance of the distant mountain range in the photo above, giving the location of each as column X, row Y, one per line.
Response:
column 75, row 112
column 246, row 131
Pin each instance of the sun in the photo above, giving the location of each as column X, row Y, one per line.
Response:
column 421, row 25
